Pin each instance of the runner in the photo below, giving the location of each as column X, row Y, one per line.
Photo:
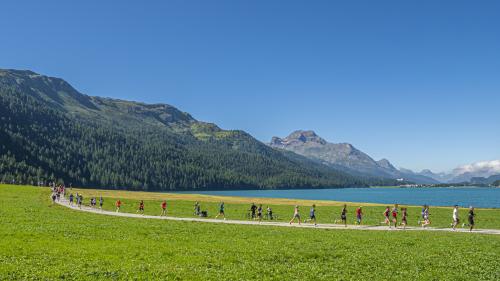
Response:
column 359, row 215
column 456, row 219
column 253, row 208
column 259, row 212
column 54, row 196
column 101, row 202
column 404, row 219
column 58, row 195
column 163, row 208
column 71, row 199
column 422, row 214
column 343, row 215
column 386, row 216
column 221, row 211
column 118, row 205
column 296, row 215
column 80, row 201
column 471, row 217
column 141, row 207
column 197, row 208
column 395, row 215
column 312, row 214
column 426, row 217
column 269, row 213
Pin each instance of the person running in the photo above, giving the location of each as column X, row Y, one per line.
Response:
column 404, row 218
column 71, row 198
column 58, row 195
column 253, row 209
column 101, row 202
column 471, row 217
column 163, row 208
column 141, row 207
column 386, row 216
column 359, row 215
column 296, row 215
column 269, row 213
column 422, row 213
column 80, row 201
column 118, row 205
column 456, row 219
column 426, row 216
column 259, row 213
column 312, row 214
column 394, row 213
column 197, row 208
column 221, row 211
column 343, row 215
column 53, row 198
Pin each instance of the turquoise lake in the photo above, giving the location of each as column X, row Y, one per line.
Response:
column 482, row 197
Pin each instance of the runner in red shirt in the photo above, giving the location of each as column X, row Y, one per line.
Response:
column 359, row 215
column 118, row 204
column 163, row 208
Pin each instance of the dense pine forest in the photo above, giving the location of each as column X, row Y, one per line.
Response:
column 49, row 131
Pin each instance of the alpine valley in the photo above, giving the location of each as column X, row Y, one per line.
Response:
column 50, row 131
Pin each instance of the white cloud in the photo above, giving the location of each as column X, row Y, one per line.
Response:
column 483, row 169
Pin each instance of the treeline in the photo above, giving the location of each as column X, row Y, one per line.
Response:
column 43, row 143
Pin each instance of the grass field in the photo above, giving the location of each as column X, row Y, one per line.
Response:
column 41, row 241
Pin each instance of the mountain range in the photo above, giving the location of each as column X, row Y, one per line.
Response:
column 343, row 156
column 478, row 172
column 50, row 131
column 346, row 157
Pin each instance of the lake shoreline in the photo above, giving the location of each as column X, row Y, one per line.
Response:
column 479, row 197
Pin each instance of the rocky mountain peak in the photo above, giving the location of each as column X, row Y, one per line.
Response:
column 305, row 137
column 384, row 163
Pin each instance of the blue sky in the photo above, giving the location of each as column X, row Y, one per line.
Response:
column 415, row 82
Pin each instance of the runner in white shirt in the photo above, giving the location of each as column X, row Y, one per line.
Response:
column 296, row 215
column 456, row 219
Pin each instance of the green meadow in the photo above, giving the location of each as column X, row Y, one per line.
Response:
column 41, row 241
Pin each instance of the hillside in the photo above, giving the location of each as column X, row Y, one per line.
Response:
column 50, row 131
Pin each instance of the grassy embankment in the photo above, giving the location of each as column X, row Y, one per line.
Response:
column 48, row 242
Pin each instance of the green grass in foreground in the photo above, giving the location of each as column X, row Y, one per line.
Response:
column 440, row 216
column 43, row 241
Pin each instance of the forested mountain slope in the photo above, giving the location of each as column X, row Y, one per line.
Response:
column 50, row 131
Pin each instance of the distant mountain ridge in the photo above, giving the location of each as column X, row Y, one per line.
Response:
column 342, row 156
column 483, row 180
column 477, row 172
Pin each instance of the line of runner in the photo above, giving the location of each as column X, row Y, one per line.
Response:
column 256, row 212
